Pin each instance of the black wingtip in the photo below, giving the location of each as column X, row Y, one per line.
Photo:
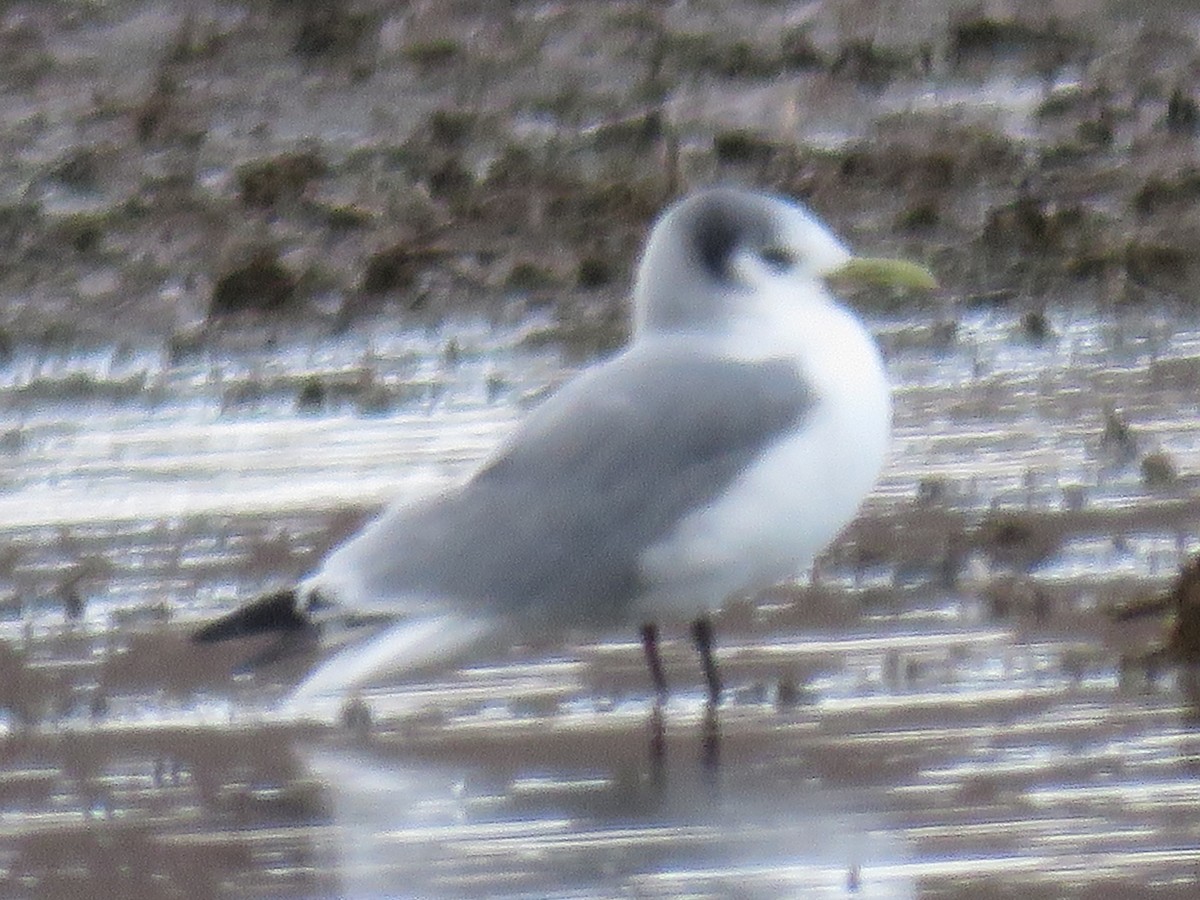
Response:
column 273, row 612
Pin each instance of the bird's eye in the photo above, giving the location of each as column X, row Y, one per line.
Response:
column 778, row 258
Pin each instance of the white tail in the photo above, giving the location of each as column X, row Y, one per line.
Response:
column 405, row 646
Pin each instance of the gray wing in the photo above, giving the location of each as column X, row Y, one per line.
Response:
column 559, row 518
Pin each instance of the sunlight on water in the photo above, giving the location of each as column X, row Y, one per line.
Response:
column 895, row 723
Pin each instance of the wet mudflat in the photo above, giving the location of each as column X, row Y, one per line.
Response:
column 944, row 708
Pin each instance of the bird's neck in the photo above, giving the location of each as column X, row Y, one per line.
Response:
column 802, row 326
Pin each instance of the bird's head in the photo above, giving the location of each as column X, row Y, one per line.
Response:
column 711, row 248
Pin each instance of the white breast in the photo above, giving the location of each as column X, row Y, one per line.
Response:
column 801, row 491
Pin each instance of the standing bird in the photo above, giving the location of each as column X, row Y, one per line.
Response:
column 720, row 451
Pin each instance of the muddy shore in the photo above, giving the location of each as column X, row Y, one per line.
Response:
column 169, row 167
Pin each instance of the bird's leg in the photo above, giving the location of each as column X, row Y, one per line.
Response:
column 702, row 637
column 658, row 737
column 650, row 648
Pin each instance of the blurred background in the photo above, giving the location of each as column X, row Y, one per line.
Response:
column 267, row 265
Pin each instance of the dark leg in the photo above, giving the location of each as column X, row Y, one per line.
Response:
column 650, row 648
column 658, row 737
column 702, row 637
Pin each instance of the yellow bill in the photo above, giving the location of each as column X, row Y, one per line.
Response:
column 878, row 270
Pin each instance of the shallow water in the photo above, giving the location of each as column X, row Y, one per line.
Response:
column 934, row 713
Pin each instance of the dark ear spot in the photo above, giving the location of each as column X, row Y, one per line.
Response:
column 715, row 237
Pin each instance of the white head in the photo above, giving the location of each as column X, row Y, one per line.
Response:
column 713, row 248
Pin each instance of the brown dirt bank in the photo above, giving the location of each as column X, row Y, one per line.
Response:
column 165, row 165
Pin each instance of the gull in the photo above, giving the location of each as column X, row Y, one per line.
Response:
column 718, row 453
